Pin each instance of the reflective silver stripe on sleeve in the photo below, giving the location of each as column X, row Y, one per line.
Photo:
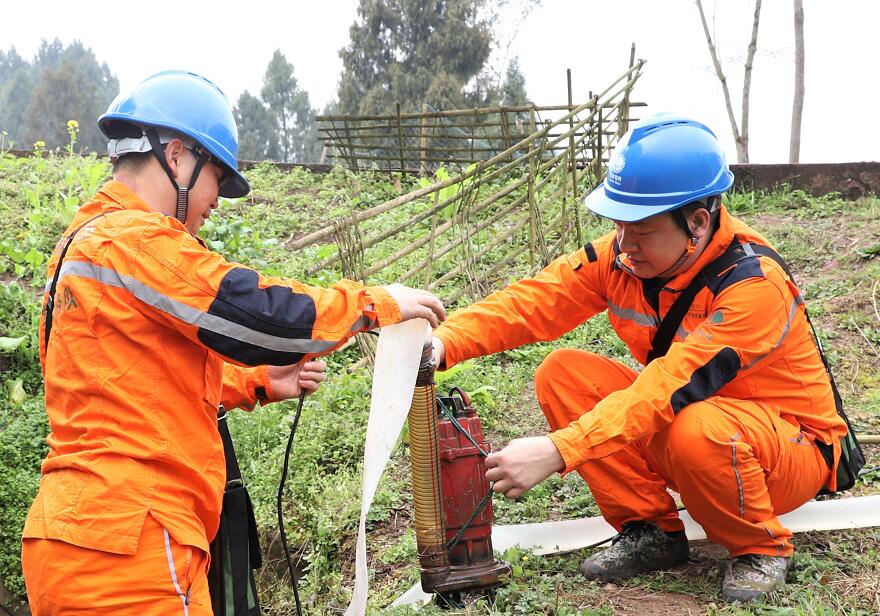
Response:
column 798, row 300
column 628, row 314
column 188, row 314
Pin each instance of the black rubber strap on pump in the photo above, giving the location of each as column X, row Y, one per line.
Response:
column 50, row 302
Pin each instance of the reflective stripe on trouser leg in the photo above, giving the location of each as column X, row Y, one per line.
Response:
column 737, row 467
column 69, row 580
column 569, row 383
column 183, row 597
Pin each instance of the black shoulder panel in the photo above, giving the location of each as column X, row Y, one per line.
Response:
column 707, row 380
column 750, row 267
column 276, row 311
column 592, row 257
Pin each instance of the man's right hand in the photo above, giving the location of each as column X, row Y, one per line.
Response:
column 416, row 303
column 439, row 353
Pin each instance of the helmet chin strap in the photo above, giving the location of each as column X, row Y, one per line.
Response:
column 182, row 191
column 689, row 249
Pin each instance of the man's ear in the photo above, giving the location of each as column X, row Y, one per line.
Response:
column 699, row 223
column 174, row 150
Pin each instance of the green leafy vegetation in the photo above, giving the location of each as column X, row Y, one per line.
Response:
column 828, row 241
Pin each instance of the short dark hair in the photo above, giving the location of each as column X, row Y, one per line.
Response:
column 132, row 162
column 681, row 214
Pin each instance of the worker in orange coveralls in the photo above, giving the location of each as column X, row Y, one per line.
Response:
column 729, row 417
column 151, row 332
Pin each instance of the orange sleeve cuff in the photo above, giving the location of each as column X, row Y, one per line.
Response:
column 244, row 387
column 259, row 378
column 385, row 309
column 448, row 338
column 569, row 452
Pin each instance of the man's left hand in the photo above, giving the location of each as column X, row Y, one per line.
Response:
column 290, row 381
column 523, row 464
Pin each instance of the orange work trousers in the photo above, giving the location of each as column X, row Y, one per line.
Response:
column 160, row 579
column 736, row 465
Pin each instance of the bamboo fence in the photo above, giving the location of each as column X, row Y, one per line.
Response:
column 420, row 142
column 503, row 217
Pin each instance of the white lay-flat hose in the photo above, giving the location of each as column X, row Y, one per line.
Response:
column 394, row 377
column 567, row 535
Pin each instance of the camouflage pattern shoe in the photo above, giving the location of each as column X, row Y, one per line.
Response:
column 640, row 547
column 750, row 576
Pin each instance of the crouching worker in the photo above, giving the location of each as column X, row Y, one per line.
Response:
column 731, row 416
column 150, row 332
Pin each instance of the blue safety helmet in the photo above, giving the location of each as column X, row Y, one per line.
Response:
column 180, row 102
column 662, row 163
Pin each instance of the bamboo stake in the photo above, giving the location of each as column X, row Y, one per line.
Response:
column 457, row 242
column 423, row 164
column 482, row 225
column 320, row 234
column 400, row 141
column 420, row 217
column 493, row 270
column 391, row 122
column 352, row 157
column 623, row 122
column 434, row 234
column 502, row 238
column 532, row 169
column 417, row 219
column 451, row 112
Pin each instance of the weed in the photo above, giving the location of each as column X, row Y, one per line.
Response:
column 830, row 243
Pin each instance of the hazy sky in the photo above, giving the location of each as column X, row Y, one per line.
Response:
column 231, row 43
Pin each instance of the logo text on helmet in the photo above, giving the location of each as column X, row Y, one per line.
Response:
column 615, row 167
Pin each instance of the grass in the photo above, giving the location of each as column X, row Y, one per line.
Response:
column 831, row 244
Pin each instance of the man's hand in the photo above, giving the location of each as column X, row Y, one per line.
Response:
column 523, row 464
column 416, row 303
column 439, row 352
column 290, row 381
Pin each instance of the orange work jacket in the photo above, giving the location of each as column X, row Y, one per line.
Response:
column 745, row 336
column 151, row 332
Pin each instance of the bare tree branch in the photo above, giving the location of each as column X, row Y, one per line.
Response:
column 747, row 82
column 797, row 108
column 742, row 156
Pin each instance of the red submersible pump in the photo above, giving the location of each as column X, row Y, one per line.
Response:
column 451, row 495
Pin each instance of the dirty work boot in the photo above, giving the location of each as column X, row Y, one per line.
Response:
column 750, row 576
column 640, row 547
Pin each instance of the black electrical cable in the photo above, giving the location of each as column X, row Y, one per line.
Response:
column 485, row 501
column 454, row 541
column 279, row 494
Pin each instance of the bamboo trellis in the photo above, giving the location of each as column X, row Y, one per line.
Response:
column 504, row 216
column 420, row 142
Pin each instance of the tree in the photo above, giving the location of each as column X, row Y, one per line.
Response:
column 290, row 107
column 16, row 84
column 10, row 63
column 797, row 108
column 741, row 137
column 57, row 98
column 411, row 52
column 513, row 90
column 258, row 131
column 37, row 99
